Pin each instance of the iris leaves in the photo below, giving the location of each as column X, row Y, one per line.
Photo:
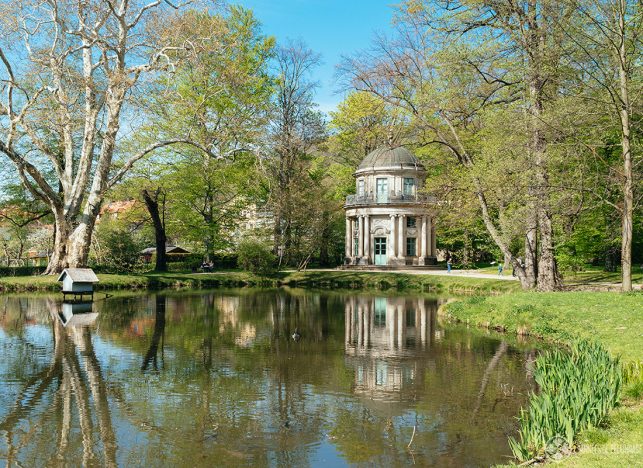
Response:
column 577, row 390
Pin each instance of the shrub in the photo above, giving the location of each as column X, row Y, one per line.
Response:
column 189, row 262
column 120, row 251
column 224, row 260
column 255, row 257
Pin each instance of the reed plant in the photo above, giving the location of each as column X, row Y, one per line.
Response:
column 577, row 389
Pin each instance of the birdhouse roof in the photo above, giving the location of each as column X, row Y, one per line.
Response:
column 79, row 275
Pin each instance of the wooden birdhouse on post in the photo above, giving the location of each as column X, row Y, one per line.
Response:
column 78, row 282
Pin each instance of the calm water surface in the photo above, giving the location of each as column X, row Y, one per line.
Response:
column 217, row 378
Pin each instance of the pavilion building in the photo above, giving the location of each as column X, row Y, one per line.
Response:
column 389, row 221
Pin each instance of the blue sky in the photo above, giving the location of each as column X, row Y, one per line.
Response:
column 330, row 27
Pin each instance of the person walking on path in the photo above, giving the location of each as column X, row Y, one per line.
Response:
column 499, row 269
column 449, row 266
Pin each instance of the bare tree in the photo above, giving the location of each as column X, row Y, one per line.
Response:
column 295, row 127
column 69, row 71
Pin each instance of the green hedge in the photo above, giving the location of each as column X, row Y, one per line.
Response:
column 22, row 271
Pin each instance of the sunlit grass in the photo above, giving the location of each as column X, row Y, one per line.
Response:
column 614, row 319
column 589, row 274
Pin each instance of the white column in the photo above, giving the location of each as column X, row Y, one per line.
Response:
column 367, row 237
column 360, row 234
column 392, row 248
column 423, row 243
column 400, row 236
column 432, row 237
column 348, row 237
column 352, row 236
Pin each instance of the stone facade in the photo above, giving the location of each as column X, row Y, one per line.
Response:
column 389, row 221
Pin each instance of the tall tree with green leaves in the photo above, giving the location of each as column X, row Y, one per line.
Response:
column 362, row 123
column 219, row 94
column 605, row 46
column 452, row 63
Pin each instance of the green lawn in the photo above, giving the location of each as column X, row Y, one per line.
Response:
column 619, row 444
column 590, row 274
column 597, row 275
column 613, row 319
column 141, row 281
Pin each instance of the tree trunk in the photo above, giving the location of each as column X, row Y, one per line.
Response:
column 628, row 191
column 62, row 228
column 79, row 243
column 495, row 235
column 152, row 204
column 548, row 279
column 531, row 248
column 276, row 233
column 324, row 259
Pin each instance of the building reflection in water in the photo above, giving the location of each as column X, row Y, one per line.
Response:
column 383, row 336
column 228, row 307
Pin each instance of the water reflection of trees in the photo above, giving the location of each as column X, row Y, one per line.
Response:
column 224, row 383
column 151, row 357
column 71, row 387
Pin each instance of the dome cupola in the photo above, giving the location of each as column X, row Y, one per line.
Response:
column 392, row 158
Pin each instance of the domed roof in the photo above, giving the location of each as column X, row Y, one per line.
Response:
column 386, row 156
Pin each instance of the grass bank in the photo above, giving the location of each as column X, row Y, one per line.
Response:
column 110, row 282
column 307, row 279
column 613, row 320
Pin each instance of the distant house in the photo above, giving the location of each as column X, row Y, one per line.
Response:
column 254, row 218
column 174, row 253
column 116, row 209
column 78, row 280
column 37, row 258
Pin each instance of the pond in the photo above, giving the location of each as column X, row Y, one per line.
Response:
column 253, row 377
